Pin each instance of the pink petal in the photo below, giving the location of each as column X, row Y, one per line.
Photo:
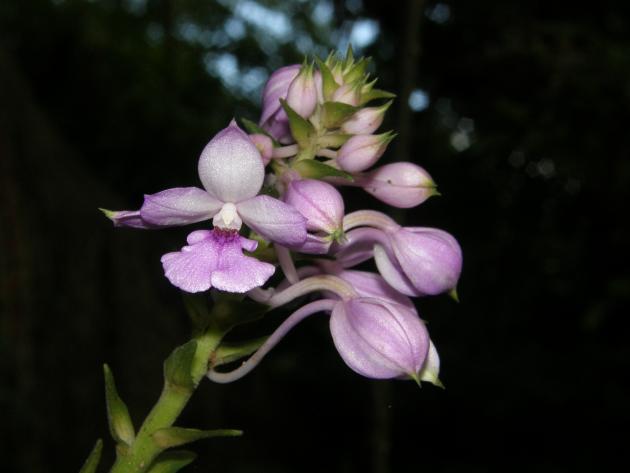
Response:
column 273, row 219
column 276, row 88
column 393, row 273
column 127, row 218
column 179, row 206
column 231, row 167
column 190, row 269
column 215, row 259
column 372, row 285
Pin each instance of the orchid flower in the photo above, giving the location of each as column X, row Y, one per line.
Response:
column 231, row 170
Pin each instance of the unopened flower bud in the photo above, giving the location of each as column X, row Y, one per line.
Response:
column 365, row 121
column 336, row 68
column 357, row 71
column 349, row 94
column 402, row 184
column 319, row 202
column 302, row 94
column 362, row 151
column 378, row 339
column 274, row 120
column 264, row 145
column 420, row 261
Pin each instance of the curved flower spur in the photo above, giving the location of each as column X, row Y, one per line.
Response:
column 231, row 171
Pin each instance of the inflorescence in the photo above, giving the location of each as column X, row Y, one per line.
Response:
column 281, row 181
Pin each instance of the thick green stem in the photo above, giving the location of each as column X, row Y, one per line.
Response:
column 138, row 457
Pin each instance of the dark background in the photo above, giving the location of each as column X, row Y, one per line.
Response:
column 520, row 113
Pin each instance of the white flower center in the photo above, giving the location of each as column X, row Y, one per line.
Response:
column 228, row 217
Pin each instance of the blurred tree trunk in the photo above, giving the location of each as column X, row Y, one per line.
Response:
column 411, row 18
column 167, row 15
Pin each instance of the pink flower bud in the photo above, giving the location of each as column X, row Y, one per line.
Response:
column 420, row 261
column 273, row 119
column 365, row 121
column 362, row 151
column 378, row 339
column 319, row 202
column 402, row 184
column 349, row 94
column 264, row 145
column 302, row 93
column 319, row 86
column 336, row 70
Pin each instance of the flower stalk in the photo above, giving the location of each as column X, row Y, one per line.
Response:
column 140, row 455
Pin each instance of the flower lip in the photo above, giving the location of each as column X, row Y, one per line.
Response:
column 225, row 235
column 214, row 258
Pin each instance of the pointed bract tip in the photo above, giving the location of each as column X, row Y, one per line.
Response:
column 349, row 56
column 338, row 236
column 453, row 294
column 388, row 136
column 416, row 378
column 439, row 383
column 233, row 433
column 108, row 213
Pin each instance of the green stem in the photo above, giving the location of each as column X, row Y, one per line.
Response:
column 138, row 457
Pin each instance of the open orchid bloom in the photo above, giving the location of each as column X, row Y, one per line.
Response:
column 232, row 173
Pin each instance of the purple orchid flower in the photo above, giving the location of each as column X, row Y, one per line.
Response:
column 231, row 170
